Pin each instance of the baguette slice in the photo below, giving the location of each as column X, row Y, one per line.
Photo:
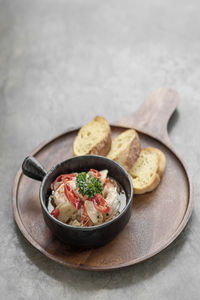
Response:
column 125, row 148
column 162, row 160
column 147, row 171
column 93, row 138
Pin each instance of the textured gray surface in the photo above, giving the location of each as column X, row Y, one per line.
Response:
column 61, row 63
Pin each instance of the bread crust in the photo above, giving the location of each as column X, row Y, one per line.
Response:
column 161, row 160
column 148, row 188
column 129, row 156
column 158, row 174
column 103, row 146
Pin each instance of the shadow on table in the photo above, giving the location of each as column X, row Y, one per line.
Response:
column 90, row 280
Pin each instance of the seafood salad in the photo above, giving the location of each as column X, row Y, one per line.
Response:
column 86, row 198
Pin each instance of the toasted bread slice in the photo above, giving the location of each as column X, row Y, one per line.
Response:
column 162, row 160
column 125, row 148
column 147, row 170
column 93, row 138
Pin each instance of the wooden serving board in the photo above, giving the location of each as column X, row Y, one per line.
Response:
column 157, row 217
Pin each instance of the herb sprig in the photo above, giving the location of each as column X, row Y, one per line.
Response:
column 88, row 185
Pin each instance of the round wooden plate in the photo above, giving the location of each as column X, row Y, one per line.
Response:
column 157, row 217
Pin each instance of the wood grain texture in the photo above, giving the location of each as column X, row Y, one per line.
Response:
column 154, row 114
column 157, row 217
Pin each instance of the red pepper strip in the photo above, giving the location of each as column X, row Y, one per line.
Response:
column 95, row 173
column 100, row 203
column 55, row 212
column 68, row 176
column 55, row 188
column 53, row 183
column 62, row 178
column 106, row 181
column 84, row 216
column 71, row 196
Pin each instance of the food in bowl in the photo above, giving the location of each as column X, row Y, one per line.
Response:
column 86, row 198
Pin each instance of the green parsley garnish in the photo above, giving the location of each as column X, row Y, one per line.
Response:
column 88, row 185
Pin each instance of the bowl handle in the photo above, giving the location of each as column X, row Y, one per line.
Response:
column 33, row 169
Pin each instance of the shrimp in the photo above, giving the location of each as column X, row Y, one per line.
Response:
column 66, row 210
column 74, row 206
column 95, row 216
column 112, row 199
column 104, row 174
column 59, row 196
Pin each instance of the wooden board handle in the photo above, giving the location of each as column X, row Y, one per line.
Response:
column 153, row 115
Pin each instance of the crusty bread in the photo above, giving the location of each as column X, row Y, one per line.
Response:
column 161, row 162
column 147, row 171
column 125, row 148
column 93, row 138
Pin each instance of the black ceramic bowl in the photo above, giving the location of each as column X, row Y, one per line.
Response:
column 92, row 236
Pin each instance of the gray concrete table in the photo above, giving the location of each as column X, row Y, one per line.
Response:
column 63, row 62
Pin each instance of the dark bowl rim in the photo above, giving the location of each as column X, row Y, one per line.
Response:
column 95, row 227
